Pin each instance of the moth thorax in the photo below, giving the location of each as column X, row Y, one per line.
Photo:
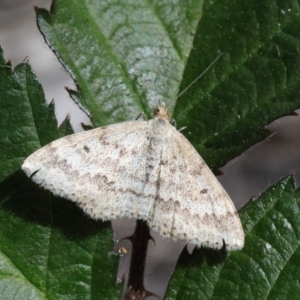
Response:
column 161, row 112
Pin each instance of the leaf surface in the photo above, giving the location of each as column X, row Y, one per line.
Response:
column 48, row 248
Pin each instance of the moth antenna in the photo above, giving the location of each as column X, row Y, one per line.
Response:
column 135, row 70
column 199, row 76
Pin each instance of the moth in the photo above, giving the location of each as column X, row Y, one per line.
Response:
column 141, row 169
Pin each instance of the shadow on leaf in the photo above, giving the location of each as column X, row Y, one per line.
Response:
column 24, row 198
column 200, row 255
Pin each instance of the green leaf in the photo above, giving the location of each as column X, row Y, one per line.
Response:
column 93, row 40
column 25, row 122
column 255, row 81
column 267, row 268
column 48, row 248
column 46, row 243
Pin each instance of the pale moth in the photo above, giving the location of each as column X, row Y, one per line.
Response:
column 141, row 169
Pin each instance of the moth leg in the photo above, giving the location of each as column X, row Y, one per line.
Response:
column 173, row 122
column 182, row 128
column 141, row 115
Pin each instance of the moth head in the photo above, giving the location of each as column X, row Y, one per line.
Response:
column 161, row 112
